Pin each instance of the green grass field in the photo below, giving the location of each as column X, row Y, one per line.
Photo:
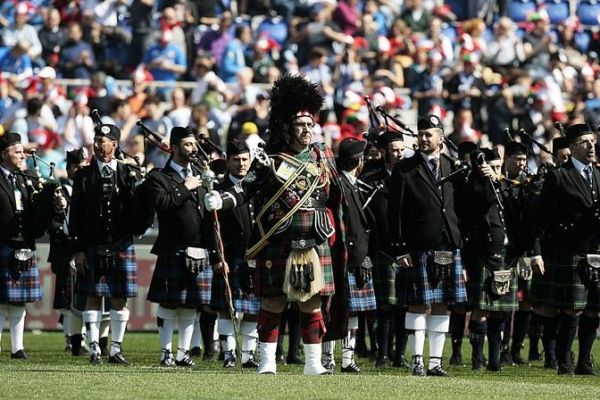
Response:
column 52, row 374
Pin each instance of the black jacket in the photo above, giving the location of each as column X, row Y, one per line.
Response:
column 422, row 216
column 357, row 224
column 86, row 225
column 182, row 219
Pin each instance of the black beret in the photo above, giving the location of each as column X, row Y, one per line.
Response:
column 178, row 133
column 465, row 147
column 110, row 131
column 351, row 148
column 388, row 137
column 76, row 156
column 429, row 121
column 491, row 154
column 513, row 148
column 9, row 139
column 577, row 130
column 235, row 147
column 559, row 143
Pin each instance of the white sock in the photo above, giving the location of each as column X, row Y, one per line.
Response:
column 76, row 323
column 328, row 352
column 92, row 319
column 3, row 308
column 418, row 324
column 186, row 318
column 66, row 321
column 167, row 324
column 227, row 334
column 16, row 322
column 348, row 345
column 118, row 324
column 437, row 326
column 197, row 335
column 249, row 339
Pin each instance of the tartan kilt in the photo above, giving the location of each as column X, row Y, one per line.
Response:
column 173, row 283
column 418, row 288
column 247, row 304
column 561, row 287
column 23, row 289
column 271, row 260
column 524, row 289
column 63, row 284
column 479, row 291
column 120, row 281
column 385, row 281
column 360, row 299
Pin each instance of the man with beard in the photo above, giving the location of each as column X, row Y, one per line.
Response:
column 102, row 232
column 185, row 246
column 425, row 240
column 236, row 231
column 566, row 290
column 295, row 221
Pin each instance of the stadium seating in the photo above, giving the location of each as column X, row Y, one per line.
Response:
column 582, row 40
column 459, row 8
column 520, row 9
column 588, row 12
column 276, row 28
column 558, row 10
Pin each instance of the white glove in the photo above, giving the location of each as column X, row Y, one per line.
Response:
column 213, row 201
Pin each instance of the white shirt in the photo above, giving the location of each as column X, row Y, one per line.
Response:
column 429, row 157
column 112, row 164
column 580, row 167
column 234, row 180
column 350, row 177
column 179, row 169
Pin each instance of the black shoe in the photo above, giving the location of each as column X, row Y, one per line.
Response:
column 68, row 345
column 382, row 362
column 585, row 369
column 294, row 359
column 565, row 368
column 196, row 351
column 76, row 347
column 185, row 362
column 505, row 358
column 167, row 359
column 117, row 359
column 351, row 369
column 401, row 362
column 103, row 343
column 419, row 370
column 95, row 359
column 550, row 363
column 280, row 360
column 251, row 363
column 534, row 356
column 228, row 359
column 517, row 359
column 329, row 366
column 438, row 370
column 19, row 355
column 494, row 366
column 456, row 360
column 476, row 363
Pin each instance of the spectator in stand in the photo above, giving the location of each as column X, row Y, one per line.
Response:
column 428, row 90
column 7, row 100
column 566, row 42
column 347, row 75
column 98, row 96
column 440, row 42
column 180, row 113
column 141, row 24
column 214, row 42
column 205, row 76
column 54, row 95
column 170, row 22
column 15, row 64
column 166, row 61
column 38, row 117
column 77, row 127
column 262, row 58
column 472, row 40
column 111, row 16
column 466, row 89
column 159, row 123
column 318, row 71
column 259, row 114
column 347, row 16
column 233, row 57
column 139, row 84
column 244, row 93
column 122, row 117
column 538, row 44
column 417, row 18
column 463, row 128
column 505, row 50
column 52, row 38
column 20, row 30
column 76, row 57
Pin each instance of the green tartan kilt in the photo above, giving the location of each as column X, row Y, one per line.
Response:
column 562, row 287
column 271, row 260
column 385, row 275
column 479, row 290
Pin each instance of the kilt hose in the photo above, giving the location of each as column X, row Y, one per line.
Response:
column 24, row 288
column 244, row 303
column 385, row 281
column 524, row 289
column 419, row 287
column 173, row 283
column 360, row 299
column 271, row 260
column 479, row 290
column 562, row 286
column 120, row 281
column 63, row 284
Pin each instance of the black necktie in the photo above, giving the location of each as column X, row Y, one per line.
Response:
column 435, row 167
column 107, row 171
column 588, row 174
column 12, row 180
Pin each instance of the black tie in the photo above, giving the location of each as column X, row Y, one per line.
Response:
column 588, row 174
column 435, row 167
column 12, row 180
column 107, row 172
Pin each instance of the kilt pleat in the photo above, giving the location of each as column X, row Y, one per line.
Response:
column 479, row 290
column 120, row 281
column 360, row 299
column 22, row 289
column 385, row 281
column 63, row 284
column 245, row 303
column 419, row 288
column 173, row 283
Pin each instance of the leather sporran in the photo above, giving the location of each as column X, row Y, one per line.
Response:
column 303, row 275
column 441, row 266
column 501, row 282
column 195, row 260
column 21, row 261
column 591, row 269
column 106, row 256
